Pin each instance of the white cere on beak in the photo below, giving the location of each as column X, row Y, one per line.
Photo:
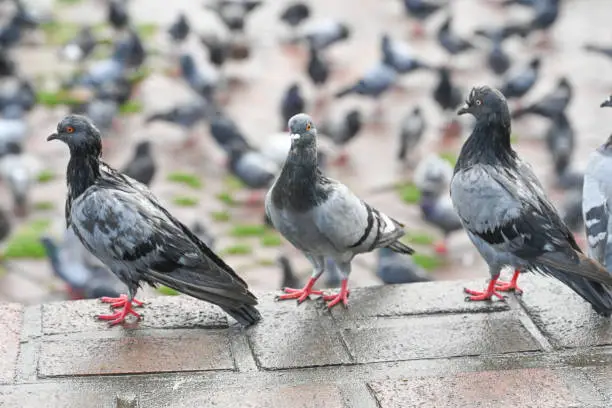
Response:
column 295, row 136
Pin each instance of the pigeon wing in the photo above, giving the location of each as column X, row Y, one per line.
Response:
column 595, row 213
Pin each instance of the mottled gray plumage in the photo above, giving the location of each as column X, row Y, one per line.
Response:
column 320, row 216
column 506, row 213
column 120, row 221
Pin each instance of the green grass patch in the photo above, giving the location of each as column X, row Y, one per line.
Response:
column 271, row 239
column 164, row 290
column 45, row 176
column 220, row 216
column 56, row 98
column 409, row 193
column 419, row 238
column 238, row 249
column 59, row 32
column 44, row 205
column 248, row 230
column 139, row 75
column 232, row 183
column 187, row 179
column 266, row 262
column 147, row 30
column 130, row 107
column 25, row 242
column 184, row 201
column 451, row 158
column 427, row 262
column 226, row 198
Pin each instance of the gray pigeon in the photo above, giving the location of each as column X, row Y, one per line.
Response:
column 412, row 127
column 374, row 82
column 398, row 55
column 120, row 221
column 13, row 128
column 560, row 142
column 597, row 202
column 323, row 33
column 142, row 166
column 550, row 105
column 508, row 217
column 321, row 217
column 393, row 268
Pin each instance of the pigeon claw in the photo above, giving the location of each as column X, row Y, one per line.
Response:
column 487, row 294
column 300, row 294
column 120, row 315
column 120, row 301
column 342, row 296
column 509, row 286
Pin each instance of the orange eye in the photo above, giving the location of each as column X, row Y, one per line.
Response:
column 69, row 129
column 308, row 126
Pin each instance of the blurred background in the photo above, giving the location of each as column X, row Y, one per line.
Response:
column 193, row 100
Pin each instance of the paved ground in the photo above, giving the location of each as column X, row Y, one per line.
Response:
column 255, row 105
column 397, row 346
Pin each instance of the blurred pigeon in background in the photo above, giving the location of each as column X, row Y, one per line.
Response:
column 453, row 44
column 141, row 166
column 80, row 47
column 393, row 268
column 412, row 127
column 551, row 105
column 233, row 13
column 560, row 141
column 518, row 83
column 341, row 129
column 321, row 34
column 421, row 11
column 292, row 103
column 180, row 29
column 399, row 56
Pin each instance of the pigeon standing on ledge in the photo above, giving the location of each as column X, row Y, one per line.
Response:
column 120, row 222
column 507, row 216
column 322, row 218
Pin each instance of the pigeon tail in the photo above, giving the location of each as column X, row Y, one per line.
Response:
column 246, row 315
column 398, row 247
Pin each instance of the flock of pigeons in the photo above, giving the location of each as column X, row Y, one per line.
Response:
column 113, row 216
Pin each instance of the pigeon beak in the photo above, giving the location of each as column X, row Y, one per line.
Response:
column 464, row 109
column 295, row 136
column 605, row 103
column 53, row 136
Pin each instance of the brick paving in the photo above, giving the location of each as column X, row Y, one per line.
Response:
column 391, row 348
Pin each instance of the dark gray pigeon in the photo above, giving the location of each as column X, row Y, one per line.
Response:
column 446, row 94
column 318, row 68
column 85, row 279
column 607, row 102
column 321, row 217
column 117, row 14
column 341, row 130
column 186, row 115
column 508, row 217
column 412, row 127
column 560, row 141
column 233, row 13
column 292, row 103
column 550, row 105
column 399, row 56
column 518, row 83
column 295, row 13
column 597, row 202
column 141, row 166
column 254, row 169
column 498, row 59
column 203, row 81
column 120, row 221
column 393, row 268
column 421, row 10
column 374, row 82
column 289, row 279
column 80, row 47
column 226, row 133
column 179, row 30
column 323, row 33
column 452, row 43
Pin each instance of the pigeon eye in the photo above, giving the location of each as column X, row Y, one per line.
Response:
column 69, row 129
column 308, row 126
column 478, row 102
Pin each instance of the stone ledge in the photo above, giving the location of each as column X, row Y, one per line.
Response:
column 361, row 356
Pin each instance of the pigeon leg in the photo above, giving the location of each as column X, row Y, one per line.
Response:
column 120, row 315
column 510, row 286
column 342, row 296
column 487, row 294
column 301, row 295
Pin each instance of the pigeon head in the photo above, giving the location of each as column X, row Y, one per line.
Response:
column 487, row 104
column 80, row 134
column 303, row 130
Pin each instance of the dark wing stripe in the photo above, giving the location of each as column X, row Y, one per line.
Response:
column 500, row 234
column 368, row 228
column 594, row 218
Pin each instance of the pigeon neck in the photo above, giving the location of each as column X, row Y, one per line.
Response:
column 83, row 171
column 489, row 143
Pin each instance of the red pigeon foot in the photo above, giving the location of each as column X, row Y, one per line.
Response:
column 441, row 248
column 509, row 286
column 120, row 315
column 342, row 296
column 300, row 294
column 486, row 295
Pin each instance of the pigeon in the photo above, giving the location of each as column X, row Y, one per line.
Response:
column 560, row 141
column 318, row 68
column 84, row 281
column 322, row 218
column 569, row 179
column 607, row 102
column 186, row 115
column 5, row 225
column 497, row 59
column 453, row 44
column 447, row 95
column 19, row 172
column 399, row 56
column 433, row 174
column 13, row 128
column 80, row 47
column 17, row 96
column 124, row 225
column 597, row 201
column 295, row 13
column 393, row 268
column 142, row 166
column 202, row 81
column 137, row 53
column 179, row 30
column 376, row 81
column 233, row 13
column 342, row 130
column 218, row 50
column 421, row 10
column 203, row 234
column 251, row 167
column 550, row 105
column 412, row 127
column 508, row 217
column 323, row 33
column 289, row 278
column 292, row 103
column 546, row 13
column 226, row 133
column 520, row 82
column 102, row 109
column 8, row 67
column 107, row 70
column 11, row 33
column 438, row 211
column 117, row 14
column 599, row 49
